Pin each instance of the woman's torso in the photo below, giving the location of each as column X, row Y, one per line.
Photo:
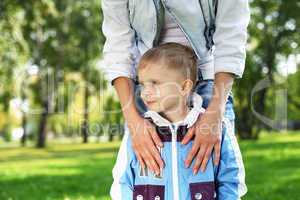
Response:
column 147, row 19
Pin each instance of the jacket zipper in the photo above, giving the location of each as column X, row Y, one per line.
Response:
column 174, row 163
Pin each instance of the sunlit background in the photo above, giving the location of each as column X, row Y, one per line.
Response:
column 61, row 123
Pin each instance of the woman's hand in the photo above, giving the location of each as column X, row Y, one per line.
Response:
column 144, row 142
column 207, row 129
column 143, row 133
column 207, row 132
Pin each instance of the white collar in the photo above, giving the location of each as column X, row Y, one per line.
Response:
column 190, row 118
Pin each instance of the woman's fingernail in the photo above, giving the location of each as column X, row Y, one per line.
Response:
column 195, row 171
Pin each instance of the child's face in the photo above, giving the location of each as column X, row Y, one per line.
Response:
column 161, row 88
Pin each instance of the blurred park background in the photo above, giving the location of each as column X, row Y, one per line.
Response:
column 61, row 123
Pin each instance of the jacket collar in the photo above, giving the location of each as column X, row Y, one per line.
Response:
column 188, row 121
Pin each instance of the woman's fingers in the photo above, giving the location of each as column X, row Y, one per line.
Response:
column 191, row 132
column 206, row 158
column 191, row 154
column 153, row 146
column 155, row 154
column 188, row 135
column 205, row 153
column 157, row 158
column 198, row 159
column 155, row 137
column 151, row 152
column 217, row 149
column 141, row 161
column 151, row 163
column 144, row 142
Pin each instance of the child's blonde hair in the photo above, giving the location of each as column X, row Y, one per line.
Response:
column 174, row 56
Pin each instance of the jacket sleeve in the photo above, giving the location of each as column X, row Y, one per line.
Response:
column 230, row 36
column 120, row 40
column 230, row 173
column 123, row 176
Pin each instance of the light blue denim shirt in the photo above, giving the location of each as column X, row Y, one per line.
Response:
column 131, row 27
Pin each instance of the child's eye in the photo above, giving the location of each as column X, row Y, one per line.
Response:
column 154, row 82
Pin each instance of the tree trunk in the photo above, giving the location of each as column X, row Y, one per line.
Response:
column 42, row 127
column 24, row 124
column 85, row 124
column 111, row 134
column 245, row 124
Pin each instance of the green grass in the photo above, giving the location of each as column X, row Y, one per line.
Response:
column 273, row 167
column 77, row 171
column 59, row 172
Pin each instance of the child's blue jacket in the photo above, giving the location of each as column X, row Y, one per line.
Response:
column 176, row 182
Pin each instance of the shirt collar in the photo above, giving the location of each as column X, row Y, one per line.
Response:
column 189, row 120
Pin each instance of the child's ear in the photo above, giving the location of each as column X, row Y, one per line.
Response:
column 187, row 86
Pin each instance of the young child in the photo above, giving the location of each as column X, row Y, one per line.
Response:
column 167, row 75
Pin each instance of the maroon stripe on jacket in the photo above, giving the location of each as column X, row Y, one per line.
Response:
column 165, row 133
column 149, row 192
column 202, row 190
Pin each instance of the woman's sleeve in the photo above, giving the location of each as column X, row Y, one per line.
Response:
column 230, row 37
column 119, row 47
